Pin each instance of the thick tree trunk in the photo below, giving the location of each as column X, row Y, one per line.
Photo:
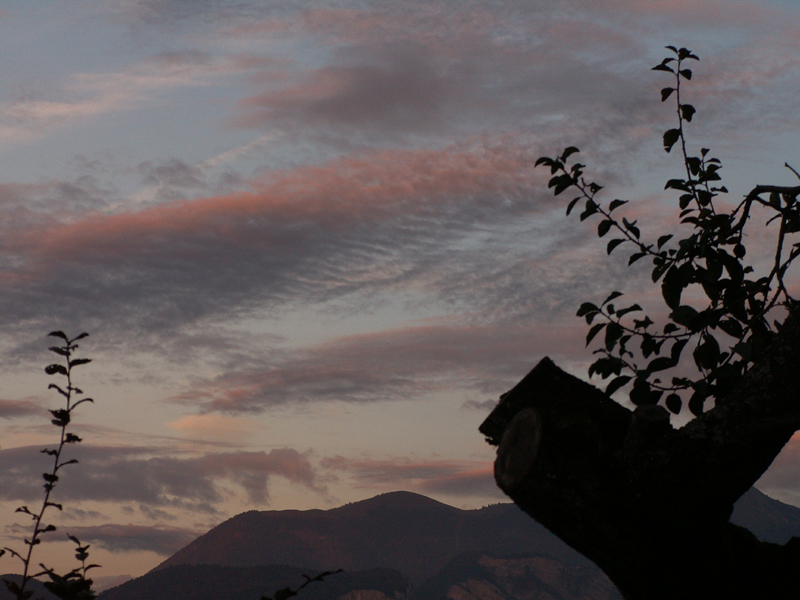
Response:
column 648, row 503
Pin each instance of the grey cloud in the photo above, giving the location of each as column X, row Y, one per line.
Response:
column 485, row 406
column 310, row 236
column 164, row 541
column 400, row 90
column 130, row 475
column 14, row 409
column 397, row 364
column 452, row 478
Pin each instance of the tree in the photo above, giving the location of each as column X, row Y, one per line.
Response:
column 647, row 502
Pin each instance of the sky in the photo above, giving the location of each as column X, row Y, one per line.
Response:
column 309, row 243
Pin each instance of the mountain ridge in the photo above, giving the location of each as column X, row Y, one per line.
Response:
column 443, row 553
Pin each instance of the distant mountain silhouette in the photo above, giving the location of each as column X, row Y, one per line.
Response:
column 400, row 530
column 396, row 539
column 213, row 582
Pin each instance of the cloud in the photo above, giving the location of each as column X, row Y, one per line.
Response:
column 108, row 474
column 484, row 406
column 309, row 234
column 115, row 538
column 88, row 95
column 446, row 477
column 391, row 365
column 215, row 426
column 15, row 409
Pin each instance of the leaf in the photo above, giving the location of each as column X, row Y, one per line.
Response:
column 697, row 402
column 663, row 240
column 732, row 327
column 670, row 137
column 593, row 332
column 662, row 363
column 587, row 308
column 612, row 296
column 53, row 386
column 641, row 394
column 630, row 309
column 635, row 257
column 617, row 383
column 666, row 93
column 677, row 350
column 572, row 204
column 631, row 227
column 615, row 204
column 613, row 332
column 59, row 334
column 613, row 244
column 79, row 361
column 591, row 208
column 569, row 151
column 685, row 73
column 603, row 227
column 55, row 368
column 706, row 354
column 671, row 288
column 674, row 403
column 687, row 110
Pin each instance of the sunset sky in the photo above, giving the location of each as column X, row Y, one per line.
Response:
column 309, row 242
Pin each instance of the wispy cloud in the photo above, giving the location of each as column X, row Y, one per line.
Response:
column 113, row 537
column 155, row 479
column 450, row 478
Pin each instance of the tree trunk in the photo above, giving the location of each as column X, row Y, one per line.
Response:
column 648, row 503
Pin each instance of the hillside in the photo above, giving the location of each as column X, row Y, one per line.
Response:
column 401, row 530
column 400, row 545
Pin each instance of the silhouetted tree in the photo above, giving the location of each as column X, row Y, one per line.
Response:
column 647, row 502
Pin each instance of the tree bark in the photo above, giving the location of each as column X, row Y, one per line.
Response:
column 649, row 503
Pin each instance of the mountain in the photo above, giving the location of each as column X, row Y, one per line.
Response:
column 400, row 530
column 481, row 576
column 401, row 545
column 207, row 582
column 37, row 587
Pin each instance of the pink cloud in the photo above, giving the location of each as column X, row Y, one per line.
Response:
column 447, row 477
column 392, row 364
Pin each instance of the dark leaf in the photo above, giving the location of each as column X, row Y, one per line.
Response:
column 59, row 334
column 670, row 137
column 591, row 208
column 587, row 308
column 635, row 257
column 617, row 383
column 615, row 204
column 593, row 332
column 613, row 333
column 666, row 93
column 568, row 152
column 613, row 244
column 671, row 288
column 687, row 110
column 674, row 403
column 55, row 368
column 572, row 204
